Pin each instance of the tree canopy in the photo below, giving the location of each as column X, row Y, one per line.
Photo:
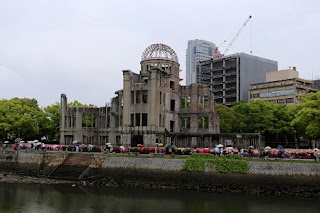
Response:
column 23, row 118
column 307, row 118
column 19, row 118
column 228, row 120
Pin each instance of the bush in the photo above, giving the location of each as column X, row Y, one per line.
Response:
column 198, row 162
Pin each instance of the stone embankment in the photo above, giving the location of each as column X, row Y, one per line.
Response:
column 271, row 178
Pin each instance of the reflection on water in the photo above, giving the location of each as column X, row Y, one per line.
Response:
column 65, row 198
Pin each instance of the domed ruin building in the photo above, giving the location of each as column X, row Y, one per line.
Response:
column 151, row 108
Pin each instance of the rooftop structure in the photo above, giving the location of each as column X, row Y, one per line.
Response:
column 282, row 75
column 283, row 87
column 229, row 77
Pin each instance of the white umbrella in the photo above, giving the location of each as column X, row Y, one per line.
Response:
column 108, row 143
column 267, row 147
column 219, row 145
column 6, row 142
column 251, row 147
column 74, row 142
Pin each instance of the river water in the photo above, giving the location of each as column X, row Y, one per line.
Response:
column 36, row 198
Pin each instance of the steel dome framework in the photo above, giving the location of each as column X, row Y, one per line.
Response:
column 159, row 51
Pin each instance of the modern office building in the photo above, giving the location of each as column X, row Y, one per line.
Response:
column 229, row 77
column 282, row 87
column 198, row 50
column 151, row 108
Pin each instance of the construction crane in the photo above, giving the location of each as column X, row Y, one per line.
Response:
column 216, row 52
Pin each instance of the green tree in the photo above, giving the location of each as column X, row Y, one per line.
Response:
column 307, row 118
column 228, row 120
column 50, row 121
column 19, row 118
column 255, row 116
column 77, row 103
column 260, row 116
column 88, row 120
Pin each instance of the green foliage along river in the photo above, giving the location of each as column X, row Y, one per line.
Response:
column 65, row 198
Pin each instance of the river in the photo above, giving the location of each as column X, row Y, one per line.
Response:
column 36, row 198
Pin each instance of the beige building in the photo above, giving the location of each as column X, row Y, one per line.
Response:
column 151, row 108
column 283, row 86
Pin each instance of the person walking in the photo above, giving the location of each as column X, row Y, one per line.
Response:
column 250, row 151
column 241, row 151
column 316, row 154
column 221, row 152
column 77, row 148
column 216, row 151
column 43, row 147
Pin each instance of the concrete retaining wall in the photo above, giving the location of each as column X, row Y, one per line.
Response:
column 283, row 168
column 163, row 164
column 37, row 161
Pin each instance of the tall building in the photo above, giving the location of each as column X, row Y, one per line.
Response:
column 229, row 77
column 282, row 87
column 198, row 50
column 151, row 108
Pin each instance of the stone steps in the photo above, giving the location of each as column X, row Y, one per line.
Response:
column 72, row 167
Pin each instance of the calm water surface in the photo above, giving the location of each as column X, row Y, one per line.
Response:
column 35, row 198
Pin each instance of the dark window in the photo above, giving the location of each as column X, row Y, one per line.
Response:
column 171, row 126
column 203, row 101
column 172, row 106
column 132, row 119
column 137, row 119
column 117, row 120
column 160, row 97
column 257, row 95
column 172, row 85
column 118, row 138
column 69, row 121
column 138, row 97
column 132, row 97
column 185, row 123
column 289, row 100
column 144, row 96
column 144, row 119
column 203, row 123
column 108, row 120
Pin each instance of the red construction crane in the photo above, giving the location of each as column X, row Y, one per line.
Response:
column 216, row 52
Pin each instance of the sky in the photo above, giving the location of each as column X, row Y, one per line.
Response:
column 80, row 47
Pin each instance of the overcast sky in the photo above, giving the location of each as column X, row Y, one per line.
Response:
column 80, row 47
